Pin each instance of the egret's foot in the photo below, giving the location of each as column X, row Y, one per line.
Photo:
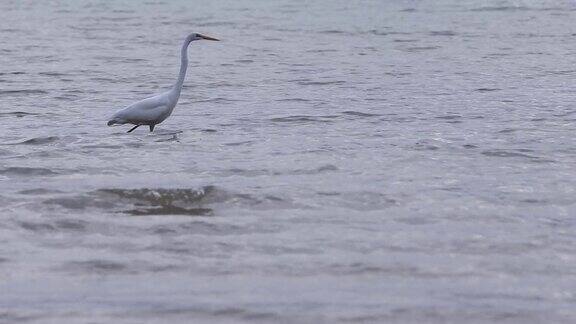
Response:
column 152, row 128
column 133, row 128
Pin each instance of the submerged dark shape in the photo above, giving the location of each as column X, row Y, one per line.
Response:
column 170, row 210
column 201, row 201
column 165, row 201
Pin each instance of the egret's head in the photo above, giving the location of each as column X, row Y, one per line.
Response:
column 196, row 36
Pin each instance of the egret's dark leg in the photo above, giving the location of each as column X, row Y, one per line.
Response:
column 152, row 127
column 133, row 128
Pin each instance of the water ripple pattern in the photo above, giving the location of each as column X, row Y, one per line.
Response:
column 328, row 162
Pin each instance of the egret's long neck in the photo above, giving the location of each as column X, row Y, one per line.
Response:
column 183, row 66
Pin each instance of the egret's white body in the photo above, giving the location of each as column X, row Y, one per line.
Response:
column 154, row 110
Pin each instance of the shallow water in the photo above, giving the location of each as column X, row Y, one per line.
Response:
column 373, row 161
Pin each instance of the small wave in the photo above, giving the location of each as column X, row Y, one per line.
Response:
column 13, row 73
column 96, row 266
column 22, row 92
column 80, row 202
column 102, row 146
column 37, row 227
column 565, row 114
column 385, row 33
column 322, row 51
column 74, row 225
column 105, row 80
column 425, row 146
column 118, row 59
column 449, row 117
column 194, row 228
column 26, row 171
column 359, row 114
column 224, row 84
column 332, row 31
column 217, row 100
column 67, row 225
column 442, row 33
column 501, row 8
column 246, row 172
column 293, row 100
column 405, row 40
column 38, row 191
column 170, row 210
column 39, row 140
column 263, row 172
column 173, row 138
column 18, row 114
column 218, row 315
column 303, row 119
column 487, row 89
column 504, row 153
column 321, row 82
column 116, row 19
column 239, row 143
column 52, row 74
column 67, row 97
column 360, row 200
column 216, row 23
column 321, row 169
column 508, row 130
column 518, row 153
column 421, row 48
column 123, row 11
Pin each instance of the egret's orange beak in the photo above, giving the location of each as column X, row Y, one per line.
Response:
column 208, row 38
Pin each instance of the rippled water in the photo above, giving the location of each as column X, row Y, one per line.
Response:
column 329, row 161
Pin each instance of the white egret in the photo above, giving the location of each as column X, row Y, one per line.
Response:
column 154, row 110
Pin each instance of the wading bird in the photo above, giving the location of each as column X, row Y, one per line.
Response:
column 154, row 110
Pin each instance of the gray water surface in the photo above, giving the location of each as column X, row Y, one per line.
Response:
column 365, row 161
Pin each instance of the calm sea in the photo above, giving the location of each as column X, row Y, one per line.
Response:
column 395, row 161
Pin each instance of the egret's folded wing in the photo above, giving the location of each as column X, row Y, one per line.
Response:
column 147, row 115
column 146, row 110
